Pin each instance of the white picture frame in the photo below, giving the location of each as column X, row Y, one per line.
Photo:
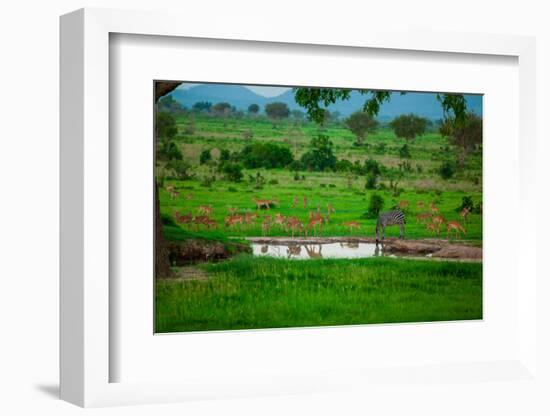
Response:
column 85, row 219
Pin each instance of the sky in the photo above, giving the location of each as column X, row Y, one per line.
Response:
column 265, row 91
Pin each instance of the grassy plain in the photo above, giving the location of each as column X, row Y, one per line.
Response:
column 256, row 292
column 247, row 292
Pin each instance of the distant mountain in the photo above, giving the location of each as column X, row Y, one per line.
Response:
column 423, row 104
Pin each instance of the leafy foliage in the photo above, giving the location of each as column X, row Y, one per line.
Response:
column 222, row 109
column 277, row 110
column 233, row 171
column 466, row 135
column 376, row 203
column 204, row 106
column 265, row 155
column 408, row 126
column 205, row 156
column 446, row 170
column 321, row 156
column 360, row 123
column 405, row 152
column 253, row 108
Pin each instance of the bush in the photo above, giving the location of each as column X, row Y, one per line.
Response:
column 376, row 204
column 169, row 150
column 321, row 157
column 372, row 167
column 467, row 202
column 232, row 189
column 404, row 152
column 179, row 168
column 371, row 181
column 331, row 185
column 266, row 155
column 380, row 148
column 205, row 156
column 225, row 155
column 446, row 170
column 343, row 165
column 233, row 171
column 273, row 182
column 296, row 176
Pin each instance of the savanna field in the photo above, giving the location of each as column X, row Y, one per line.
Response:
column 250, row 292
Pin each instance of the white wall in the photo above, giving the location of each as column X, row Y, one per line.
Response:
column 29, row 204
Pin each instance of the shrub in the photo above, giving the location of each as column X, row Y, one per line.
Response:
column 205, row 156
column 321, row 157
column 273, row 182
column 376, row 204
column 225, row 155
column 296, row 176
column 446, row 170
column 467, row 202
column 231, row 189
column 179, row 168
column 372, row 167
column 343, row 165
column 380, row 148
column 265, row 155
column 233, row 171
column 371, row 181
column 331, row 185
column 409, row 126
column 169, row 150
column 404, row 152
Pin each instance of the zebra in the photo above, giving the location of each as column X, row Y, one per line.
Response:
column 385, row 219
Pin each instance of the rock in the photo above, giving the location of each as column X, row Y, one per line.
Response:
column 196, row 250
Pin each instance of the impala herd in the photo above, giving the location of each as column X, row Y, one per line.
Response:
column 314, row 224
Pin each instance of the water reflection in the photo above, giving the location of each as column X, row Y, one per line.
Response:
column 348, row 250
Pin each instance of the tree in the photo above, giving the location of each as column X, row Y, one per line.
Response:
column 409, row 126
column 360, row 123
column 321, row 157
column 162, row 259
column 466, row 136
column 253, row 108
column 168, row 104
column 277, row 111
column 233, row 171
column 454, row 105
column 202, row 106
column 222, row 109
column 265, row 155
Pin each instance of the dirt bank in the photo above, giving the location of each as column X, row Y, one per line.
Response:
column 191, row 251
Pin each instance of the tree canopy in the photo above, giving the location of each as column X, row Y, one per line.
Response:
column 408, row 126
column 253, row 108
column 312, row 99
column 360, row 123
column 277, row 110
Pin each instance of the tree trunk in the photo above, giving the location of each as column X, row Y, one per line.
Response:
column 162, row 260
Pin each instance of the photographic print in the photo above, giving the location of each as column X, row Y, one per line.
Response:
column 299, row 206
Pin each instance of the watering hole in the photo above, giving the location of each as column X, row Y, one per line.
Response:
column 319, row 250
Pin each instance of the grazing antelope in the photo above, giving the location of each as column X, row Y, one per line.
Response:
column 174, row 194
column 279, row 220
column 388, row 218
column 352, row 225
column 403, row 205
column 232, row 210
column 433, row 208
column 314, row 223
column 184, row 219
column 205, row 210
column 438, row 221
column 294, row 201
column 263, row 203
column 465, row 213
column 294, row 224
column 233, row 220
column 266, row 224
column 330, row 209
column 310, row 250
column 249, row 218
column 210, row 223
column 189, row 196
column 423, row 217
column 456, row 227
column 204, row 220
column 432, row 228
column 305, row 201
column 420, row 204
column 170, row 188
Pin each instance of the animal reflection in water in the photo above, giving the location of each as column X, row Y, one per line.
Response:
column 293, row 251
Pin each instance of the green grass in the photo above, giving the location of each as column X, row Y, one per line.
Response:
column 247, row 292
column 350, row 199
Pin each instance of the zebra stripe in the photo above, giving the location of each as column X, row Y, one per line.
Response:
column 385, row 219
